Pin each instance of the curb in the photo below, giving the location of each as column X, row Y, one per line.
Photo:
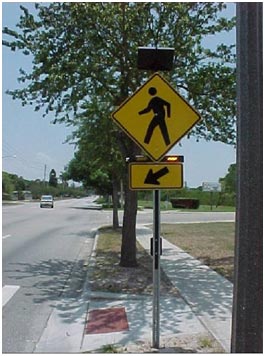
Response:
column 86, row 294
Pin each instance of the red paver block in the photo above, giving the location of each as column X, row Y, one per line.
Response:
column 109, row 320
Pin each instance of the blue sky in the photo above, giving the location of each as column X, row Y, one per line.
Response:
column 38, row 143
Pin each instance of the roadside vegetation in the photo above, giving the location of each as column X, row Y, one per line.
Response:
column 14, row 187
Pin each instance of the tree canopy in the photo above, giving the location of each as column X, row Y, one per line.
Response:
column 229, row 181
column 53, row 179
column 86, row 52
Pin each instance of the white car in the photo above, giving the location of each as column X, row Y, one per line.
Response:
column 46, row 201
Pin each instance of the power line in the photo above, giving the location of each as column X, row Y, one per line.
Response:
column 36, row 165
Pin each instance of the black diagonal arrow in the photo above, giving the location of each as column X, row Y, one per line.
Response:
column 152, row 178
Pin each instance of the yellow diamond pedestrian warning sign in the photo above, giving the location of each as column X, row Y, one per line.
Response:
column 156, row 117
column 159, row 175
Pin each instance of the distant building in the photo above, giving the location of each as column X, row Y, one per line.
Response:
column 24, row 195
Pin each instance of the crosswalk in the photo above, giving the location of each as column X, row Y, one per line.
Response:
column 8, row 291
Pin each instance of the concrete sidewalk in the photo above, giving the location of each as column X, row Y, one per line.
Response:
column 208, row 294
column 204, row 307
column 205, row 303
column 176, row 319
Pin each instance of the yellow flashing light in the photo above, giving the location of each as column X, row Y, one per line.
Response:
column 173, row 158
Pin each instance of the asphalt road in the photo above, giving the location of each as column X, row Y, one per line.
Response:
column 44, row 251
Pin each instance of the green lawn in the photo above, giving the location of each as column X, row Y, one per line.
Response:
column 167, row 206
column 211, row 243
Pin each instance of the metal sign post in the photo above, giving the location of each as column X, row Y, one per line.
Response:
column 156, row 269
column 157, row 101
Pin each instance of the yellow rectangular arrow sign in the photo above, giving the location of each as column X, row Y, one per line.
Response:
column 150, row 175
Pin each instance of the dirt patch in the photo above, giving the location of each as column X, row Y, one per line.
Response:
column 195, row 343
column 109, row 276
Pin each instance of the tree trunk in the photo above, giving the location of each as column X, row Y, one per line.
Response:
column 115, row 201
column 128, row 245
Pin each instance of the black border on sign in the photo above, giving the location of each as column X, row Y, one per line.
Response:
column 156, row 187
column 168, row 148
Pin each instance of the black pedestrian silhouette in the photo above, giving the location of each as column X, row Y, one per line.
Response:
column 157, row 105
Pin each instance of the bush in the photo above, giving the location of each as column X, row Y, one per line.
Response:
column 186, row 203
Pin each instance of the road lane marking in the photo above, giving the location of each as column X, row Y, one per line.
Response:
column 6, row 236
column 7, row 293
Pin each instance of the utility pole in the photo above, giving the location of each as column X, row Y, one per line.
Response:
column 44, row 178
column 247, row 323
